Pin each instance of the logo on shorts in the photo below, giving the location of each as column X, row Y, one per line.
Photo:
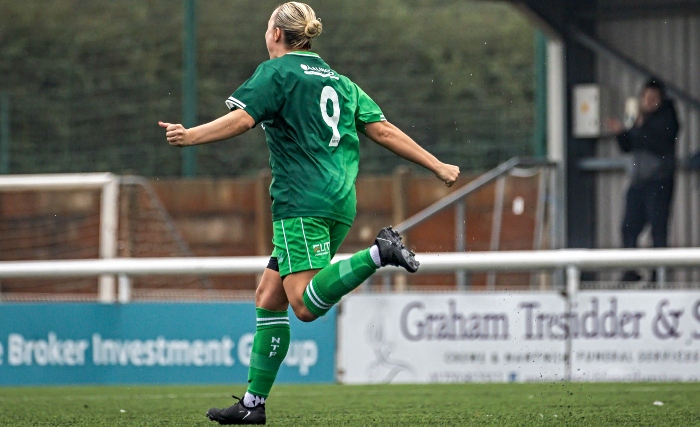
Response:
column 321, row 249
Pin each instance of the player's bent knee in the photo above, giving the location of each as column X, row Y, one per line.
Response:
column 303, row 313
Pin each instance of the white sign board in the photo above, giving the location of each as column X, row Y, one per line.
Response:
column 500, row 337
column 456, row 337
column 586, row 114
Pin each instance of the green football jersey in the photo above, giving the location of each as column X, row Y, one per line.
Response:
column 311, row 116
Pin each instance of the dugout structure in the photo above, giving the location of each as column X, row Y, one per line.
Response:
column 617, row 45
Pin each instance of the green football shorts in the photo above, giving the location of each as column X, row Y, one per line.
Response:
column 306, row 243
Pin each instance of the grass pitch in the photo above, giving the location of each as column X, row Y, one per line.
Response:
column 546, row 404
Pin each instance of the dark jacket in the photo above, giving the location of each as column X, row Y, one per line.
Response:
column 653, row 144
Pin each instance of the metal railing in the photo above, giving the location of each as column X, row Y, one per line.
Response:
column 458, row 199
column 573, row 261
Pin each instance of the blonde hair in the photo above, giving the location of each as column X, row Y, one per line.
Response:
column 298, row 23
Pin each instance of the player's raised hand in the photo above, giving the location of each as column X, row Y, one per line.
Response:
column 176, row 134
column 448, row 174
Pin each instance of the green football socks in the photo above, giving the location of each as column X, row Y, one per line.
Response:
column 270, row 346
column 272, row 337
column 336, row 280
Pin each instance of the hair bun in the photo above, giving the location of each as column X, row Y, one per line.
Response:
column 313, row 28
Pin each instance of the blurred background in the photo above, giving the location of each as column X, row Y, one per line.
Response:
column 85, row 82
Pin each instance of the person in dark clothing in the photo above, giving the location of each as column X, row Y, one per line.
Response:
column 652, row 143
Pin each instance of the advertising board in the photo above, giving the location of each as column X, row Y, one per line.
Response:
column 501, row 337
column 136, row 343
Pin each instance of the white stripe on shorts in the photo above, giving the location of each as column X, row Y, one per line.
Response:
column 289, row 257
column 305, row 242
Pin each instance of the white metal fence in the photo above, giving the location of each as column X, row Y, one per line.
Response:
column 573, row 261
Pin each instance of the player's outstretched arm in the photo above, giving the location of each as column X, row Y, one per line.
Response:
column 396, row 141
column 232, row 124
